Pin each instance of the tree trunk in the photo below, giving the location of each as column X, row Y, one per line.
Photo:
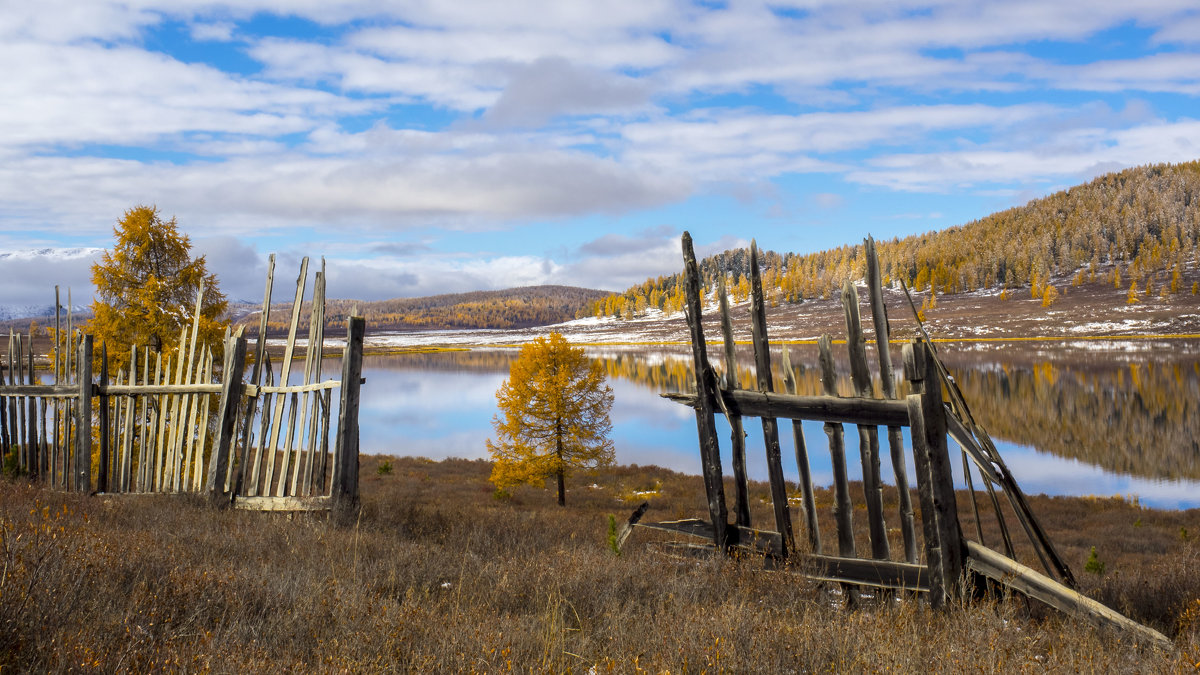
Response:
column 561, row 473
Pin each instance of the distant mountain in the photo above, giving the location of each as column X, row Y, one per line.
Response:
column 510, row 308
column 1137, row 230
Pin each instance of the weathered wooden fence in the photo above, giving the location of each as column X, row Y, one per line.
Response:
column 180, row 422
column 937, row 557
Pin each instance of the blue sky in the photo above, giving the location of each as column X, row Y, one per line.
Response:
column 436, row 146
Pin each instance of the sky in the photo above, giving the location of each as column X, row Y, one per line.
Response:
column 432, row 146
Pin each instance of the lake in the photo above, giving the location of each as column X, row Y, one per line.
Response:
column 1127, row 428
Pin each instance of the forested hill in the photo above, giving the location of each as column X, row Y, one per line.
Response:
column 511, row 308
column 1134, row 228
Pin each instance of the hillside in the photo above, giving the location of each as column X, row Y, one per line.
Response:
column 1136, row 229
column 511, row 308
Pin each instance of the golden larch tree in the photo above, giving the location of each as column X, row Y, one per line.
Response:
column 553, row 416
column 146, row 288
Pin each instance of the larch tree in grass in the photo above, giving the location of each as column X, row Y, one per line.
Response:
column 146, row 289
column 553, row 416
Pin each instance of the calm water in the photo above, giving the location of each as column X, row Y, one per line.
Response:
column 1128, row 431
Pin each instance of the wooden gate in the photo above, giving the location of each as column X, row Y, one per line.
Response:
column 951, row 563
column 178, row 422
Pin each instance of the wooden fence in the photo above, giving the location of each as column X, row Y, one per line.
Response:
column 936, row 557
column 180, row 422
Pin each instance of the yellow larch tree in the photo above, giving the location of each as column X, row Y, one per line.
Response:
column 553, row 416
column 146, row 288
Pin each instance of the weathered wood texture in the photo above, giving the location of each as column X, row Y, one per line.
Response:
column 706, row 388
column 762, row 368
column 807, row 496
column 737, row 435
column 868, row 436
column 345, row 476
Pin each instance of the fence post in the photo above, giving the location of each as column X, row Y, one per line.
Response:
column 83, row 418
column 345, row 465
column 227, row 412
column 102, row 470
column 939, row 510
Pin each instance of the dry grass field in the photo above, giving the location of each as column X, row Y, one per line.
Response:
column 437, row 575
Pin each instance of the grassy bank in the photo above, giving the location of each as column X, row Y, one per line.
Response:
column 438, row 575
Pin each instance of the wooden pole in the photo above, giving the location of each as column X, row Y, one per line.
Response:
column 737, row 436
column 944, row 543
column 868, row 436
column 345, row 489
column 260, row 353
column 227, row 413
column 285, row 369
column 83, row 419
column 843, row 508
column 706, row 390
column 762, row 367
column 102, row 470
column 887, row 380
column 802, row 463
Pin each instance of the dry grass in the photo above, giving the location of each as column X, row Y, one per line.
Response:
column 437, row 575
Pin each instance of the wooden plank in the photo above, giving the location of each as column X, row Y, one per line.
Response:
column 762, row 367
column 627, row 526
column 82, row 468
column 205, row 403
column 848, row 410
column 130, row 414
column 345, row 488
column 1022, row 579
column 260, row 353
column 175, row 420
column 706, row 388
column 888, row 382
column 297, row 504
column 868, row 436
column 843, row 509
column 162, row 373
column 737, row 436
column 253, row 488
column 314, row 413
column 311, row 351
column 283, row 489
column 227, row 414
column 874, row 573
column 105, row 430
column 285, row 369
column 807, row 494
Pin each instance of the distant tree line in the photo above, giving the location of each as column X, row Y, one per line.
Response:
column 1137, row 229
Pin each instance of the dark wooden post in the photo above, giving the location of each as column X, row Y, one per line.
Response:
column 345, row 479
column 102, row 470
column 706, row 393
column 737, row 436
column 868, row 436
column 762, row 367
column 83, row 418
column 887, row 380
column 803, row 467
column 227, row 412
column 843, row 508
column 939, row 511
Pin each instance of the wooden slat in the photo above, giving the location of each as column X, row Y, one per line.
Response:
column 1022, row 579
column 868, row 436
column 737, row 436
column 82, row 469
column 843, row 508
column 762, row 367
column 887, row 379
column 260, row 354
column 807, row 496
column 227, row 413
column 105, row 426
column 283, row 503
column 285, row 369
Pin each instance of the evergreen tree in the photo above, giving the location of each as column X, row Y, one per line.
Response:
column 146, row 289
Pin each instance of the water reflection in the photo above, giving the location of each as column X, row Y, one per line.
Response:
column 1129, row 430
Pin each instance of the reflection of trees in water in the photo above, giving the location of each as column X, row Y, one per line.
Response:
column 1140, row 420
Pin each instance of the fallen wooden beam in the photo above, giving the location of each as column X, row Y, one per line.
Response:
column 282, row 503
column 1018, row 577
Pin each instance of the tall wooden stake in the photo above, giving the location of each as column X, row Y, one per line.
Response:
column 868, row 436
column 737, row 436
